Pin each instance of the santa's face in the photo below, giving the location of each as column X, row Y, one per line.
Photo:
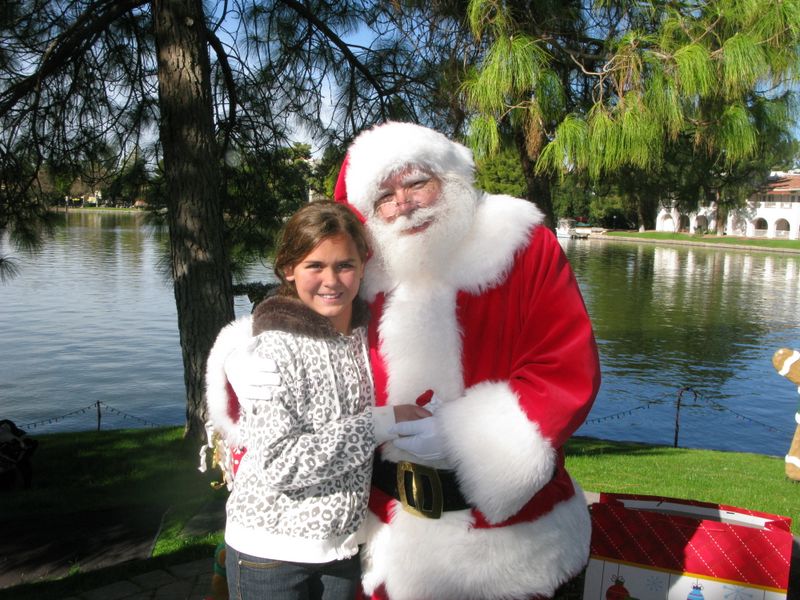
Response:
column 421, row 223
column 405, row 192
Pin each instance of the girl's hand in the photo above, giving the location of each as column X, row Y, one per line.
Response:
column 410, row 412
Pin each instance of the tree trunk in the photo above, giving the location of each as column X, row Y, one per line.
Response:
column 539, row 189
column 720, row 213
column 641, row 212
column 200, row 270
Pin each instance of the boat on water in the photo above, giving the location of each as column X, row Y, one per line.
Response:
column 567, row 228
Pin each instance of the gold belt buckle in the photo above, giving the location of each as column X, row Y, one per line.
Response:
column 419, row 473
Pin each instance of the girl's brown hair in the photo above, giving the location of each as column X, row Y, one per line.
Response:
column 307, row 228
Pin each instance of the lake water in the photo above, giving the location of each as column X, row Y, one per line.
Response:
column 673, row 317
column 92, row 318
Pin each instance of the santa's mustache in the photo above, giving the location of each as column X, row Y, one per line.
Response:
column 405, row 222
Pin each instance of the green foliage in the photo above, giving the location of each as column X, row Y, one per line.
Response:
column 569, row 148
column 612, row 211
column 130, row 183
column 326, row 170
column 640, row 135
column 662, row 98
column 502, row 174
column 660, row 72
column 486, row 16
column 572, row 198
column 695, row 72
column 549, row 95
column 484, row 136
column 737, row 132
column 262, row 189
column 662, row 103
column 743, row 63
column 603, row 140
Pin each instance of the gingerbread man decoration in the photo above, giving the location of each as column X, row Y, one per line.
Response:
column 787, row 363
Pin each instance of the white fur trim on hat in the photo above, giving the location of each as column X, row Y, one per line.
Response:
column 383, row 150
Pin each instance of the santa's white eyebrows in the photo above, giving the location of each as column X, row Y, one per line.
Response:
column 416, row 178
column 406, row 179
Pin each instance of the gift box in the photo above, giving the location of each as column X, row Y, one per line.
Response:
column 656, row 548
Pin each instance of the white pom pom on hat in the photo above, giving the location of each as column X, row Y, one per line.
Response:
column 385, row 149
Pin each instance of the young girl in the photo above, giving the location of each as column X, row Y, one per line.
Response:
column 301, row 490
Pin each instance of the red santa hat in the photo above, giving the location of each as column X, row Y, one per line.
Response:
column 386, row 149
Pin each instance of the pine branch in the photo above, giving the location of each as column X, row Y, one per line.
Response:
column 67, row 46
column 339, row 43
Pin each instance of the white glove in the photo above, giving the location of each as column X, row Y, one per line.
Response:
column 420, row 438
column 433, row 405
column 251, row 376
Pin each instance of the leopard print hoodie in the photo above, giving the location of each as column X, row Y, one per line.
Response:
column 302, row 488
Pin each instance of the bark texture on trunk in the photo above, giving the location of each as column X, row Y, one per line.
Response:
column 200, row 271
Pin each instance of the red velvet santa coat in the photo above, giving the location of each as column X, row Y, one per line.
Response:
column 505, row 342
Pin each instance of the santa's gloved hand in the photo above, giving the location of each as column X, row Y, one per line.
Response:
column 434, row 404
column 251, row 376
column 420, row 438
column 429, row 401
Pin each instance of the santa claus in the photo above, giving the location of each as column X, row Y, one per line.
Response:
column 473, row 306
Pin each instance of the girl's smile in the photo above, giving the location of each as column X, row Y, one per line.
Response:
column 328, row 278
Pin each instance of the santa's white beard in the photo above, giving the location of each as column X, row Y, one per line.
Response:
column 429, row 253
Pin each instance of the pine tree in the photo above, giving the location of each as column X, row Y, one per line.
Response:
column 599, row 86
column 198, row 86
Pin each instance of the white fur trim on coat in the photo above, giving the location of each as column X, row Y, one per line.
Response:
column 383, row 150
column 500, row 457
column 503, row 226
column 232, row 336
column 446, row 559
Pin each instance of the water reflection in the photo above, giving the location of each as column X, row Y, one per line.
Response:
column 92, row 318
column 668, row 317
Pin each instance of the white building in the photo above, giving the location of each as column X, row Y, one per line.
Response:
column 773, row 212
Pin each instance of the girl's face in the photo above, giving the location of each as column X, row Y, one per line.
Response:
column 327, row 279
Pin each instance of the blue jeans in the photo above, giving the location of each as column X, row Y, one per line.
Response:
column 254, row 578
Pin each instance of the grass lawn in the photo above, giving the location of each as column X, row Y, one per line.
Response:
column 156, row 468
column 664, row 236
column 745, row 480
column 129, row 468
column 136, row 469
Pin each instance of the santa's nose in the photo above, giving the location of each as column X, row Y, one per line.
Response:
column 404, row 202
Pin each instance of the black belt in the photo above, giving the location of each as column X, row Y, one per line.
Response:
column 423, row 491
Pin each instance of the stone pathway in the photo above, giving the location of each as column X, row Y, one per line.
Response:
column 188, row 581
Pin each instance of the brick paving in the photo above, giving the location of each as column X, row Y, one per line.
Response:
column 186, row 581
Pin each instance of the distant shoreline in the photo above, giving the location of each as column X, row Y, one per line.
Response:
column 604, row 237
column 61, row 209
column 700, row 243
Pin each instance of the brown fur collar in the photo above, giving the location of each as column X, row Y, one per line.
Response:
column 284, row 313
